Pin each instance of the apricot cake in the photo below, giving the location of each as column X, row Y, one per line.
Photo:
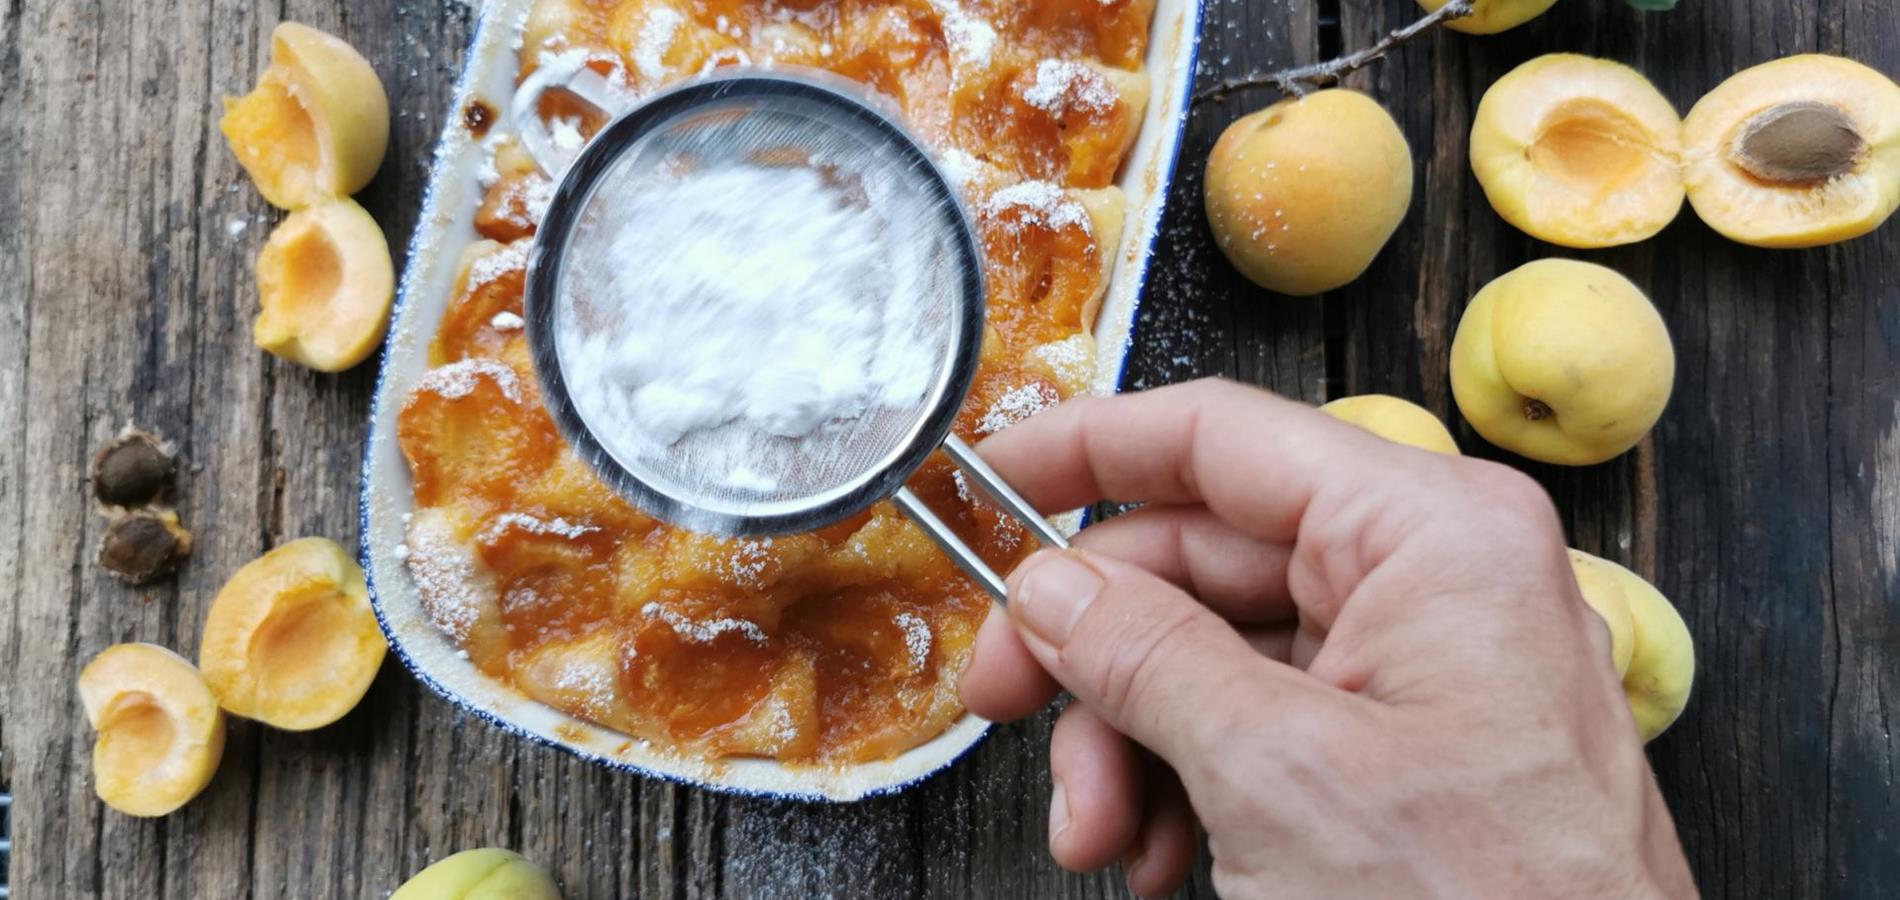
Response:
column 837, row 646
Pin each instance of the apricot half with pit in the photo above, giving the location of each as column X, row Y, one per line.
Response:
column 1304, row 194
column 1563, row 362
column 1578, row 151
column 160, row 731
column 1798, row 152
column 1492, row 16
column 487, row 874
column 1658, row 667
column 325, row 283
column 315, row 126
column 1396, row 420
column 291, row 640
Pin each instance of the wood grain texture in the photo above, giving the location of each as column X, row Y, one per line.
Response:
column 1767, row 504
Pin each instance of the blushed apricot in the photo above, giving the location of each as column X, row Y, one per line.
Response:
column 325, row 284
column 1304, row 194
column 315, row 126
column 1798, row 152
column 291, row 640
column 161, row 734
column 1578, row 151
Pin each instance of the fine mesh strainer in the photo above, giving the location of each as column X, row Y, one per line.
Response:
column 790, row 483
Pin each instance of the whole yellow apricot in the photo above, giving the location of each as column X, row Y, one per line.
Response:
column 161, row 734
column 317, row 123
column 487, row 874
column 1798, row 152
column 1302, row 195
column 1563, row 362
column 1492, row 16
column 1578, row 151
column 290, row 640
column 1396, row 420
column 1603, row 591
column 1661, row 667
column 325, row 283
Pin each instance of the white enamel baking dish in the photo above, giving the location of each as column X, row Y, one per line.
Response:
column 446, row 227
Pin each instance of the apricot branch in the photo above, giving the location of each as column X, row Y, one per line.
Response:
column 1297, row 81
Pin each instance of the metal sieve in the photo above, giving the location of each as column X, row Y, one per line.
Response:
column 755, row 118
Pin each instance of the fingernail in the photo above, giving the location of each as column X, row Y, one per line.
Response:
column 1054, row 591
column 1058, row 813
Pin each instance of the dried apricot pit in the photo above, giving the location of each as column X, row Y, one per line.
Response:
column 291, row 640
column 315, row 126
column 144, row 544
column 1798, row 152
column 134, row 469
column 160, row 732
column 325, row 284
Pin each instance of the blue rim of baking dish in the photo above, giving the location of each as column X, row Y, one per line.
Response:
column 1191, row 22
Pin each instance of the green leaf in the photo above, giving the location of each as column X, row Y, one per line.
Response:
column 1647, row 5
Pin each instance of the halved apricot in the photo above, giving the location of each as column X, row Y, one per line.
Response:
column 315, row 126
column 291, row 640
column 1578, row 151
column 1798, row 152
column 160, row 731
column 325, row 283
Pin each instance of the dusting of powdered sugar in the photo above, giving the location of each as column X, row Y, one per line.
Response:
column 444, row 573
column 1016, row 405
column 506, row 321
column 655, row 38
column 510, row 258
column 458, row 379
column 555, row 527
column 707, row 630
column 917, row 638
column 1039, row 203
column 1064, row 85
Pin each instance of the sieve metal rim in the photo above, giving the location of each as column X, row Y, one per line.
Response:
column 584, row 176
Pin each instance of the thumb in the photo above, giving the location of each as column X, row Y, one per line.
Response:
column 1149, row 659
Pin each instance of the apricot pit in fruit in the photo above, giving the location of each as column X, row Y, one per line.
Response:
column 1798, row 152
column 1396, row 420
column 315, row 126
column 1578, row 151
column 290, row 640
column 325, row 283
column 487, row 874
column 133, row 469
column 160, row 731
column 143, row 545
column 1661, row 668
column 1563, row 362
column 1302, row 195
column 1492, row 16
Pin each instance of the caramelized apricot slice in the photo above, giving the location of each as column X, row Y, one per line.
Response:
column 315, row 126
column 160, row 731
column 325, row 284
column 1579, row 152
column 291, row 640
column 1798, row 152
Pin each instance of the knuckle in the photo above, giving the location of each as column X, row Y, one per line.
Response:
column 1136, row 652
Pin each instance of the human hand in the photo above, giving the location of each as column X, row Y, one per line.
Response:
column 1364, row 669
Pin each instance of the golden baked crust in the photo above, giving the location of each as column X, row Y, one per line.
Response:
column 836, row 646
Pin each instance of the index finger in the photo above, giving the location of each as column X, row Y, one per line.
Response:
column 1255, row 459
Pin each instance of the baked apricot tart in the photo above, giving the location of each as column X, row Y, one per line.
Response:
column 820, row 664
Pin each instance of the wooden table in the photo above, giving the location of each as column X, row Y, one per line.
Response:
column 1767, row 503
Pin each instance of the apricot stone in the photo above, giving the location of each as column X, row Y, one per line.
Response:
column 1302, row 195
column 291, row 640
column 486, row 874
column 1396, row 420
column 325, row 284
column 1492, row 16
column 315, row 126
column 1661, row 667
column 1798, row 152
column 1578, row 151
column 1562, row 361
column 160, row 731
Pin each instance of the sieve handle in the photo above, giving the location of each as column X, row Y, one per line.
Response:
column 992, row 485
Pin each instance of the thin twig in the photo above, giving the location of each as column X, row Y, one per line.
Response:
column 1296, row 82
